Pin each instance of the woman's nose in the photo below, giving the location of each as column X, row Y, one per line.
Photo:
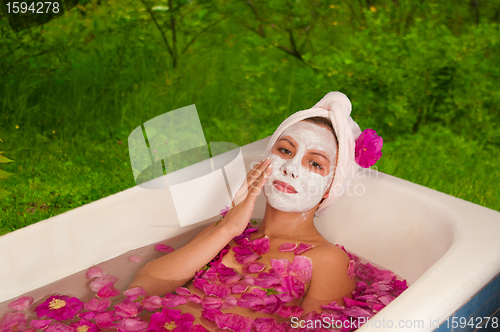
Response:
column 292, row 168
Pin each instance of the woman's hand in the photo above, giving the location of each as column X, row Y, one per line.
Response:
column 238, row 217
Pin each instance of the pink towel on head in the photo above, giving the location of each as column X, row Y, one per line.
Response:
column 336, row 107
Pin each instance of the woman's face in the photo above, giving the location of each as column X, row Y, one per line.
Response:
column 303, row 161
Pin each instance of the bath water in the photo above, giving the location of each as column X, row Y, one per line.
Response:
column 77, row 285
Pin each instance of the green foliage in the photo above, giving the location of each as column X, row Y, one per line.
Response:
column 422, row 73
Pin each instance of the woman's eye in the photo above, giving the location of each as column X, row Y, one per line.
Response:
column 285, row 151
column 315, row 164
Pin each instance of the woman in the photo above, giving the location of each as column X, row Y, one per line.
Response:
column 309, row 160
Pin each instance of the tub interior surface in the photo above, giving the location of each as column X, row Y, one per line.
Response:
column 446, row 248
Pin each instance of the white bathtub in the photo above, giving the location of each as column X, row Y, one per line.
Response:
column 446, row 248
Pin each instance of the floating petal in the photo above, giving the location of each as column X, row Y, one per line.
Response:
column 21, row 303
column 303, row 247
column 287, row 247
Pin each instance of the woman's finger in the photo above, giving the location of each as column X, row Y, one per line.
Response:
column 259, row 183
column 254, row 175
column 257, row 171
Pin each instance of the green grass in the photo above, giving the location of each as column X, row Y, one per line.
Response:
column 63, row 128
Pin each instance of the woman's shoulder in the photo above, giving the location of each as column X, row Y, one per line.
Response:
column 328, row 253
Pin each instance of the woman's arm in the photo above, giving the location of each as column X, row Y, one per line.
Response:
column 165, row 274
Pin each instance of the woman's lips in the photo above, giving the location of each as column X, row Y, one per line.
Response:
column 284, row 187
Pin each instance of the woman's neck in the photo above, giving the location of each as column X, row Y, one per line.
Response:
column 288, row 225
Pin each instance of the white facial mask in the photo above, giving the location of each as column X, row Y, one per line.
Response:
column 310, row 186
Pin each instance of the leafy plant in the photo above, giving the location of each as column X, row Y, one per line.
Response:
column 3, row 192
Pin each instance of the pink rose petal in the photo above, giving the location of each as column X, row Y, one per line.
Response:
column 287, row 247
column 233, row 322
column 260, row 246
column 182, row 291
column 253, row 267
column 194, row 298
column 126, row 310
column 218, row 290
column 105, row 320
column 58, row 327
column 210, row 314
column 100, row 282
column 21, row 303
column 163, row 247
column 97, row 304
column 152, row 303
column 136, row 293
column 95, row 272
column 135, row 259
column 132, row 325
column 210, row 303
column 109, row 290
column 40, row 323
column 239, row 287
column 303, row 247
column 172, row 300
column 350, row 270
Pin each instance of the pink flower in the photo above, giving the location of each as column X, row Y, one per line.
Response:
column 109, row 290
column 234, row 322
column 368, row 148
column 21, row 303
column 171, row 320
column 303, row 247
column 293, row 275
column 13, row 321
column 97, row 304
column 260, row 246
column 287, row 247
column 135, row 259
column 132, row 325
column 95, row 272
column 163, row 247
column 59, row 307
column 223, row 212
column 84, row 325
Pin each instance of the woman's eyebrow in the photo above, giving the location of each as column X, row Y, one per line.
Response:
column 321, row 155
column 286, row 139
